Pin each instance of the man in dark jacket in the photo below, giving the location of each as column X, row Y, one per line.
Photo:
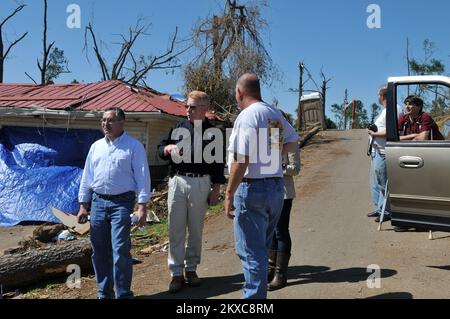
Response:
column 196, row 173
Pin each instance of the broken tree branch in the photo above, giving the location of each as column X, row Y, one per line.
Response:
column 17, row 10
column 101, row 61
column 13, row 44
column 30, row 77
column 3, row 55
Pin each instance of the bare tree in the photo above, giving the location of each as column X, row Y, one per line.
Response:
column 126, row 66
column 4, row 53
column 228, row 45
column 43, row 67
column 54, row 62
column 322, row 90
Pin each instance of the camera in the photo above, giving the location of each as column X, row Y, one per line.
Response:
column 372, row 127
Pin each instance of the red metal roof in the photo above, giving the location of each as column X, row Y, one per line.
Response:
column 92, row 96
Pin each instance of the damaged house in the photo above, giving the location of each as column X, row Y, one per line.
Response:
column 46, row 133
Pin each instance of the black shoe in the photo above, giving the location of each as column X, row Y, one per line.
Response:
column 192, row 279
column 400, row 229
column 385, row 218
column 176, row 284
column 373, row 214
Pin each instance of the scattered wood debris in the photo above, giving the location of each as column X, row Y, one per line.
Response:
column 46, row 232
column 154, row 248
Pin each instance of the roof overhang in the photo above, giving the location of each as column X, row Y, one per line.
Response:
column 76, row 114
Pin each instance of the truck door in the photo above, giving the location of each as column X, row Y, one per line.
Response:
column 419, row 171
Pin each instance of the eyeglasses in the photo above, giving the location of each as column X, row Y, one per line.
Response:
column 110, row 121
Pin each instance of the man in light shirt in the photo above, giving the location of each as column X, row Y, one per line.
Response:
column 115, row 172
column 256, row 180
column 378, row 175
column 193, row 184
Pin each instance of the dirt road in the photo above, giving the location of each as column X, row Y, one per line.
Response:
column 333, row 241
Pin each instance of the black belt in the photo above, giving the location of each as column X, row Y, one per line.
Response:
column 249, row 180
column 110, row 197
column 189, row 174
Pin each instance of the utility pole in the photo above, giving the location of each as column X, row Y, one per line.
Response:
column 324, row 96
column 345, row 109
column 354, row 115
column 300, row 93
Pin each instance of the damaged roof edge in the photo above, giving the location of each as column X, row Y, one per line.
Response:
column 92, row 114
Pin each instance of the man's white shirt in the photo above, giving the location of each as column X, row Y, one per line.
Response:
column 380, row 142
column 259, row 132
column 116, row 168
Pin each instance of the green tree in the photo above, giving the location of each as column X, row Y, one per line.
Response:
column 429, row 65
column 57, row 65
column 438, row 107
column 361, row 117
column 362, row 120
column 338, row 112
column 375, row 111
column 329, row 123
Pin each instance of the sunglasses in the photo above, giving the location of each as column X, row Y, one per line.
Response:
column 193, row 107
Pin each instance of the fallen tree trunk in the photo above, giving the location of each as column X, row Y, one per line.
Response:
column 308, row 136
column 34, row 266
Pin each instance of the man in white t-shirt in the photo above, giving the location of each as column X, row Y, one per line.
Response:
column 260, row 135
column 378, row 175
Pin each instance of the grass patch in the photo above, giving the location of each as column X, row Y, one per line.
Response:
column 216, row 210
column 159, row 233
column 150, row 235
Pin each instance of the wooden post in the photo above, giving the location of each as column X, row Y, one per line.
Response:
column 345, row 109
column 300, row 93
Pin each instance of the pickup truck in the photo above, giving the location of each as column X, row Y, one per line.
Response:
column 418, row 171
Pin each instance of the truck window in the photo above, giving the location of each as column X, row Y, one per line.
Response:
column 426, row 113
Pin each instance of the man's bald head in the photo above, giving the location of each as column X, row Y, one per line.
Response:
column 249, row 85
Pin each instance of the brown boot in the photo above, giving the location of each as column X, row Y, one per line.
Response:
column 280, row 278
column 272, row 264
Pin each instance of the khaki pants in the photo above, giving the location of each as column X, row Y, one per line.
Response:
column 187, row 202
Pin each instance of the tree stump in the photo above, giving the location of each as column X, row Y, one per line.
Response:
column 34, row 266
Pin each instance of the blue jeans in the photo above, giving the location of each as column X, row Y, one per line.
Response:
column 378, row 179
column 282, row 238
column 111, row 245
column 258, row 207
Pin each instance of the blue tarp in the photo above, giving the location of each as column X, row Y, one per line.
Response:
column 39, row 169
